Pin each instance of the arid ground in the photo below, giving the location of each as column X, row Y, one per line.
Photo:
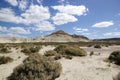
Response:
column 93, row 67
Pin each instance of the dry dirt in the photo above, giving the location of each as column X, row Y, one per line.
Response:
column 79, row 68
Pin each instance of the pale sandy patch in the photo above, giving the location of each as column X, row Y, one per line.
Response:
column 90, row 68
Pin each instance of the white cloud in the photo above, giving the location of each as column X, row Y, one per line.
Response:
column 12, row 2
column 35, row 14
column 23, row 4
column 39, row 1
column 44, row 26
column 78, row 29
column 14, row 30
column 71, row 9
column 61, row 1
column 18, row 30
column 103, row 24
column 8, row 15
column 63, row 18
column 112, row 34
column 12, row 35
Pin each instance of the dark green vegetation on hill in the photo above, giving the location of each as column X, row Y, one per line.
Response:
column 37, row 67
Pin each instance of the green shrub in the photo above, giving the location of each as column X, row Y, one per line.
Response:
column 115, row 57
column 4, row 60
column 97, row 46
column 36, row 67
column 30, row 50
column 50, row 53
column 70, row 50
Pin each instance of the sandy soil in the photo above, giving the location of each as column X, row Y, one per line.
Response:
column 79, row 68
column 46, row 48
column 7, row 69
column 90, row 68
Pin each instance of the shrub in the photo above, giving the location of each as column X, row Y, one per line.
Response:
column 69, row 50
column 115, row 57
column 50, row 53
column 30, row 50
column 5, row 50
column 90, row 45
column 36, row 67
column 4, row 60
column 57, row 57
column 91, row 53
column 68, row 57
column 97, row 46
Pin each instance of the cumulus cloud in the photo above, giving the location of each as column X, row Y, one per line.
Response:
column 23, row 4
column 35, row 14
column 78, row 29
column 103, row 24
column 44, row 26
column 8, row 15
column 63, row 18
column 12, row 2
column 14, row 30
column 71, row 9
column 66, row 13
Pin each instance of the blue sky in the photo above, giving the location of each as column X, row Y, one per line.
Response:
column 31, row 18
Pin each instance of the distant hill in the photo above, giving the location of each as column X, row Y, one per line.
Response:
column 59, row 36
column 108, row 39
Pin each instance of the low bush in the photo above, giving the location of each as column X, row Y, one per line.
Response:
column 30, row 50
column 115, row 57
column 91, row 53
column 5, row 50
column 68, row 57
column 70, row 50
column 50, row 53
column 4, row 60
column 97, row 46
column 57, row 57
column 37, row 67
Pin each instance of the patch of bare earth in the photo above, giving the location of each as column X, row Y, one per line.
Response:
column 7, row 69
column 90, row 67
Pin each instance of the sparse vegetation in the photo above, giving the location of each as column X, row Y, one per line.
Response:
column 37, row 67
column 50, row 53
column 5, row 49
column 30, row 50
column 115, row 57
column 91, row 53
column 57, row 57
column 97, row 46
column 69, row 50
column 4, row 60
column 68, row 57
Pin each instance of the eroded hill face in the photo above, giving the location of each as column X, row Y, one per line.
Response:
column 59, row 36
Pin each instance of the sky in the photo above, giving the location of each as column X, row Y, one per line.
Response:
column 94, row 19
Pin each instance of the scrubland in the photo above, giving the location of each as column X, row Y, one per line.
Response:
column 60, row 61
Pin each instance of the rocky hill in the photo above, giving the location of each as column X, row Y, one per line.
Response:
column 108, row 40
column 59, row 36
